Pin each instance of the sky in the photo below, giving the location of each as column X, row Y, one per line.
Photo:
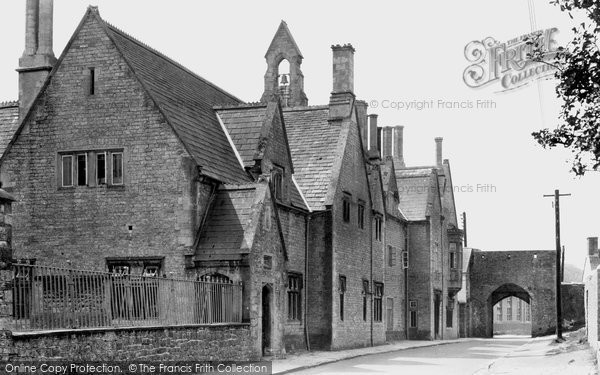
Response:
column 406, row 51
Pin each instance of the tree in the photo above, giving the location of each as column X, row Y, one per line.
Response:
column 578, row 74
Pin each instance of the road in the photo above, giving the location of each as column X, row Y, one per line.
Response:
column 463, row 358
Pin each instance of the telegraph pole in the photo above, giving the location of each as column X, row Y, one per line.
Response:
column 557, row 196
column 464, row 217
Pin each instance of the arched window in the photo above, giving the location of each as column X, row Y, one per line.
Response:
column 283, row 81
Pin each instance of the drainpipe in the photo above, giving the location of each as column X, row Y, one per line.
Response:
column 406, row 301
column 306, row 237
column 443, row 311
column 371, row 279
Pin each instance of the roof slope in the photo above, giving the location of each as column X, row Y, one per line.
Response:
column 228, row 225
column 9, row 122
column 244, row 125
column 415, row 188
column 186, row 100
column 313, row 143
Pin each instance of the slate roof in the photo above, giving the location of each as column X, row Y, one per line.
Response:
column 414, row 188
column 9, row 122
column 187, row 101
column 224, row 236
column 244, row 125
column 313, row 143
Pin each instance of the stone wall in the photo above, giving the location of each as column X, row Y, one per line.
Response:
column 226, row 342
column 495, row 275
column 573, row 305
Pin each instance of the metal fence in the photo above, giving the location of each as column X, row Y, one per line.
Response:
column 50, row 298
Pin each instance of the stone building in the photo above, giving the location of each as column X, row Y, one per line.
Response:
column 434, row 241
column 123, row 160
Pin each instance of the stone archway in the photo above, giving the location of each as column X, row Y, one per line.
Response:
column 504, row 292
column 529, row 275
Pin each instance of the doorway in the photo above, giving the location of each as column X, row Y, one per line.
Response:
column 266, row 319
column 436, row 314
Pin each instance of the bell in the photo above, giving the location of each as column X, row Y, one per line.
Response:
column 284, row 80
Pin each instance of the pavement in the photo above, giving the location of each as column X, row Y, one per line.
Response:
column 537, row 356
column 301, row 361
column 544, row 356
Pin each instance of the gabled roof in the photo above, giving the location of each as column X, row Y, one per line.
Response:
column 417, row 189
column 185, row 100
column 228, row 232
column 9, row 122
column 244, row 125
column 313, row 142
column 390, row 184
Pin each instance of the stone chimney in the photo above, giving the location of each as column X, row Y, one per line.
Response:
column 363, row 125
column 388, row 136
column 399, row 146
column 38, row 58
column 438, row 151
column 593, row 246
column 342, row 96
column 373, row 151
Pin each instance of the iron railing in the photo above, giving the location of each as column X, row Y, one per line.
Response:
column 51, row 298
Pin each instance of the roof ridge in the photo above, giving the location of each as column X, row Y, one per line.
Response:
column 240, row 106
column 306, row 108
column 172, row 61
column 10, row 103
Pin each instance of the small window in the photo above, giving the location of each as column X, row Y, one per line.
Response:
column 117, row 168
column 377, row 303
column 413, row 319
column 92, row 81
column 499, row 311
column 346, row 208
column 342, row 290
column 101, row 168
column 267, row 262
column 361, row 215
column 412, row 305
column 294, row 303
column 81, row 169
column 67, row 170
column 378, row 228
column 453, row 260
column 405, row 259
column 277, row 177
column 391, row 256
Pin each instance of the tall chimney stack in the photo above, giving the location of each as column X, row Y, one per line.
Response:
column 342, row 96
column 593, row 246
column 399, row 146
column 363, row 124
column 388, row 134
column 38, row 58
column 438, row 151
column 373, row 136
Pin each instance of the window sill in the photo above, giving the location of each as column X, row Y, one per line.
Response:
column 108, row 187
